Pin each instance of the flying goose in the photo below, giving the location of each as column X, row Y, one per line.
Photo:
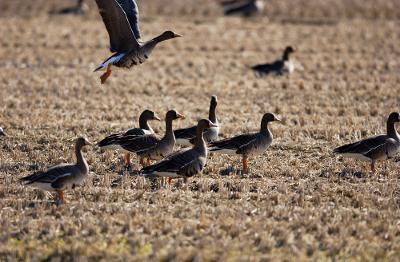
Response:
column 64, row 176
column 2, row 133
column 375, row 148
column 186, row 136
column 247, row 145
column 121, row 18
column 279, row 67
column 151, row 147
column 112, row 141
column 245, row 8
column 184, row 163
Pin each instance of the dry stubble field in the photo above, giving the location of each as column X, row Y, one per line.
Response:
column 300, row 202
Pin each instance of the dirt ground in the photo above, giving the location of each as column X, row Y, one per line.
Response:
column 300, row 202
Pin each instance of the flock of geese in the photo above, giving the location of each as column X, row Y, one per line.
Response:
column 156, row 154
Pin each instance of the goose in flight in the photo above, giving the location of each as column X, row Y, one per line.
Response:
column 121, row 18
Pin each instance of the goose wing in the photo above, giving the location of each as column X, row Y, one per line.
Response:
column 132, row 13
column 138, row 144
column 233, row 143
column 185, row 163
column 122, row 37
column 50, row 175
column 362, row 147
column 185, row 133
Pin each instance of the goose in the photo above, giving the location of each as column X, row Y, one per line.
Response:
column 247, row 145
column 80, row 9
column 151, row 147
column 381, row 147
column 64, row 176
column 121, row 18
column 186, row 136
column 245, row 8
column 279, row 67
column 112, row 141
column 2, row 133
column 185, row 163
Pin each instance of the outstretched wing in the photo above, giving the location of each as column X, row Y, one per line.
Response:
column 132, row 13
column 122, row 38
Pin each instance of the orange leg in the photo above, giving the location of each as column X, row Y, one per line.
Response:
column 373, row 166
column 245, row 165
column 148, row 162
column 104, row 76
column 127, row 159
column 61, row 196
column 169, row 180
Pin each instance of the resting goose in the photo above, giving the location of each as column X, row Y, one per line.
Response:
column 64, row 176
column 248, row 144
column 379, row 147
column 149, row 146
column 121, row 18
column 279, row 67
column 80, row 9
column 2, row 133
column 113, row 141
column 184, row 163
column 245, row 8
column 186, row 136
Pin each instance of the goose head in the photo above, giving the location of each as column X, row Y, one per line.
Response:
column 173, row 115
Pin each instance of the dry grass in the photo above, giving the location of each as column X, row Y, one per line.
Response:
column 300, row 201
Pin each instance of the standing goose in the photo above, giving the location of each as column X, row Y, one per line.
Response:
column 149, row 146
column 279, row 67
column 2, row 133
column 121, row 18
column 375, row 148
column 245, row 8
column 186, row 136
column 112, row 141
column 64, row 176
column 248, row 144
column 184, row 163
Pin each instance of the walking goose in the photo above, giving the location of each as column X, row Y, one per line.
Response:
column 248, row 144
column 186, row 136
column 2, row 133
column 64, row 176
column 112, row 141
column 151, row 147
column 245, row 8
column 279, row 67
column 184, row 163
column 375, row 148
column 121, row 18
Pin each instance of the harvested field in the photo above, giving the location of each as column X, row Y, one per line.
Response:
column 300, row 202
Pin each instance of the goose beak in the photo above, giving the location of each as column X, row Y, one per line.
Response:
column 156, row 117
column 180, row 116
column 177, row 35
column 278, row 119
column 213, row 125
column 88, row 143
